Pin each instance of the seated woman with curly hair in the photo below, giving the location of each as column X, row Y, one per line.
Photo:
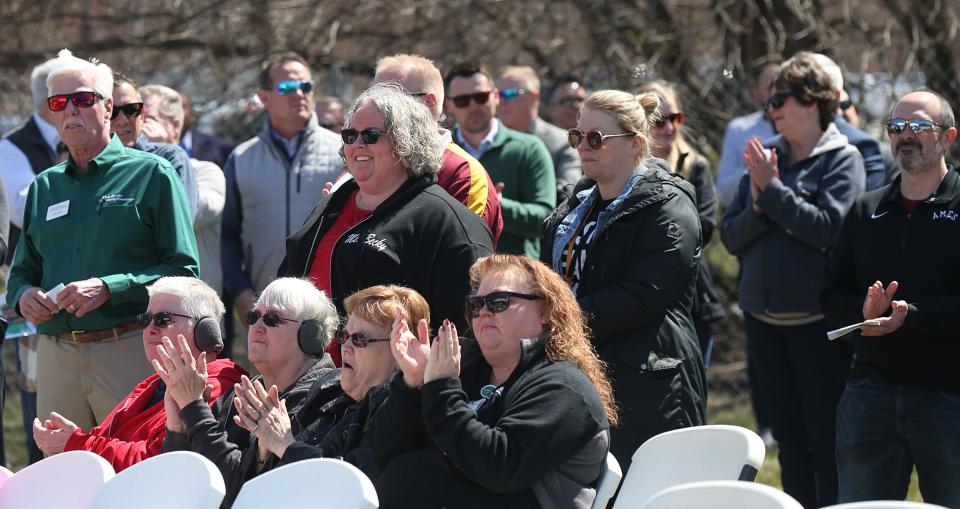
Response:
column 522, row 421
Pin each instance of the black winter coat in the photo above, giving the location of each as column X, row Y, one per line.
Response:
column 637, row 286
column 420, row 237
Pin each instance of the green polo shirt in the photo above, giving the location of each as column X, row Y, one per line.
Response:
column 126, row 221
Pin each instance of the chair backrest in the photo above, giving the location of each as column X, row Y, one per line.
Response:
column 69, row 479
column 885, row 504
column 341, row 484
column 722, row 495
column 181, row 479
column 609, row 481
column 701, row 453
column 5, row 473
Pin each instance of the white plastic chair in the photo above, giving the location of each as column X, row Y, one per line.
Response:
column 181, row 479
column 5, row 473
column 340, row 484
column 722, row 495
column 701, row 453
column 609, row 481
column 69, row 479
column 885, row 504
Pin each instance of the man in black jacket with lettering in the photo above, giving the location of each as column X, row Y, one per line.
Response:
column 895, row 260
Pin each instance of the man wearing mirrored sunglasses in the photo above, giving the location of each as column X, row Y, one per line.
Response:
column 103, row 224
column 518, row 163
column 127, row 121
column 274, row 179
column 519, row 109
column 895, row 261
column 135, row 429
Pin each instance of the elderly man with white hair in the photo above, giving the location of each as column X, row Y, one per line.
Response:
column 97, row 229
column 183, row 315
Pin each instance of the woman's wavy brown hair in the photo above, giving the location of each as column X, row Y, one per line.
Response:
column 378, row 304
column 566, row 336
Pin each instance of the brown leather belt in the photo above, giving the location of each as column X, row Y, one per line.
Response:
column 79, row 336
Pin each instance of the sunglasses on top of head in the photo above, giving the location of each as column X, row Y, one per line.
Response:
column 359, row 339
column 131, row 110
column 673, row 118
column 161, row 319
column 290, row 86
column 367, row 136
column 270, row 318
column 496, row 302
column 777, row 100
column 462, row 101
column 917, row 125
column 79, row 99
column 594, row 138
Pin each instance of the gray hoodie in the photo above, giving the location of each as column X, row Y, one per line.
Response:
column 784, row 250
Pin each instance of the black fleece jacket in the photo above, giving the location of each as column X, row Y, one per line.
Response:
column 880, row 241
column 420, row 237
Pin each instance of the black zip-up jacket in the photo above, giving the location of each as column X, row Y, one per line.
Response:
column 420, row 237
column 219, row 439
column 540, row 440
column 879, row 241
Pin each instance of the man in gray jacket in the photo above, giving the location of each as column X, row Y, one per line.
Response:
column 275, row 178
column 519, row 110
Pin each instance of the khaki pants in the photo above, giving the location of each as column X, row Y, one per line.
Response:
column 84, row 382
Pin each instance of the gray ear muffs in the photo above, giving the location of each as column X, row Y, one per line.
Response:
column 207, row 335
column 310, row 337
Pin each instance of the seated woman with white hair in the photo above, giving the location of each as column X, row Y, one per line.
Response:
column 367, row 366
column 290, row 325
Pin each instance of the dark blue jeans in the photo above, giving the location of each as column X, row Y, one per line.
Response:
column 884, row 429
column 801, row 377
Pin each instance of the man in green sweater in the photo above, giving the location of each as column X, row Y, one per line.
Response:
column 97, row 229
column 519, row 163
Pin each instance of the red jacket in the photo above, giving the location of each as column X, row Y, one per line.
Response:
column 134, row 431
column 468, row 181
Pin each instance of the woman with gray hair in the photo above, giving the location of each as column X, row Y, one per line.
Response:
column 390, row 223
column 290, row 325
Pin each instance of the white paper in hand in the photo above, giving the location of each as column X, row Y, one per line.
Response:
column 843, row 331
column 53, row 292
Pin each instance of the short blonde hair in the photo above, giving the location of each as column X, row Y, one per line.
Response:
column 421, row 74
column 526, row 74
column 633, row 113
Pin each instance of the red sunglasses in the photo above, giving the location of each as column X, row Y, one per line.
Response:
column 79, row 100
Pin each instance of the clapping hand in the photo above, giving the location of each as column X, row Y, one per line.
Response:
column 444, row 360
column 410, row 352
column 762, row 165
column 186, row 377
column 876, row 304
column 53, row 434
column 264, row 415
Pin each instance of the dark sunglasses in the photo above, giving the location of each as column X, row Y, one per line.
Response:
column 845, row 105
column 79, row 100
column 571, row 100
column 132, row 110
column 368, row 136
column 917, row 125
column 290, row 86
column 462, row 101
column 161, row 319
column 673, row 118
column 776, row 101
column 594, row 138
column 270, row 319
column 509, row 94
column 358, row 339
column 496, row 302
